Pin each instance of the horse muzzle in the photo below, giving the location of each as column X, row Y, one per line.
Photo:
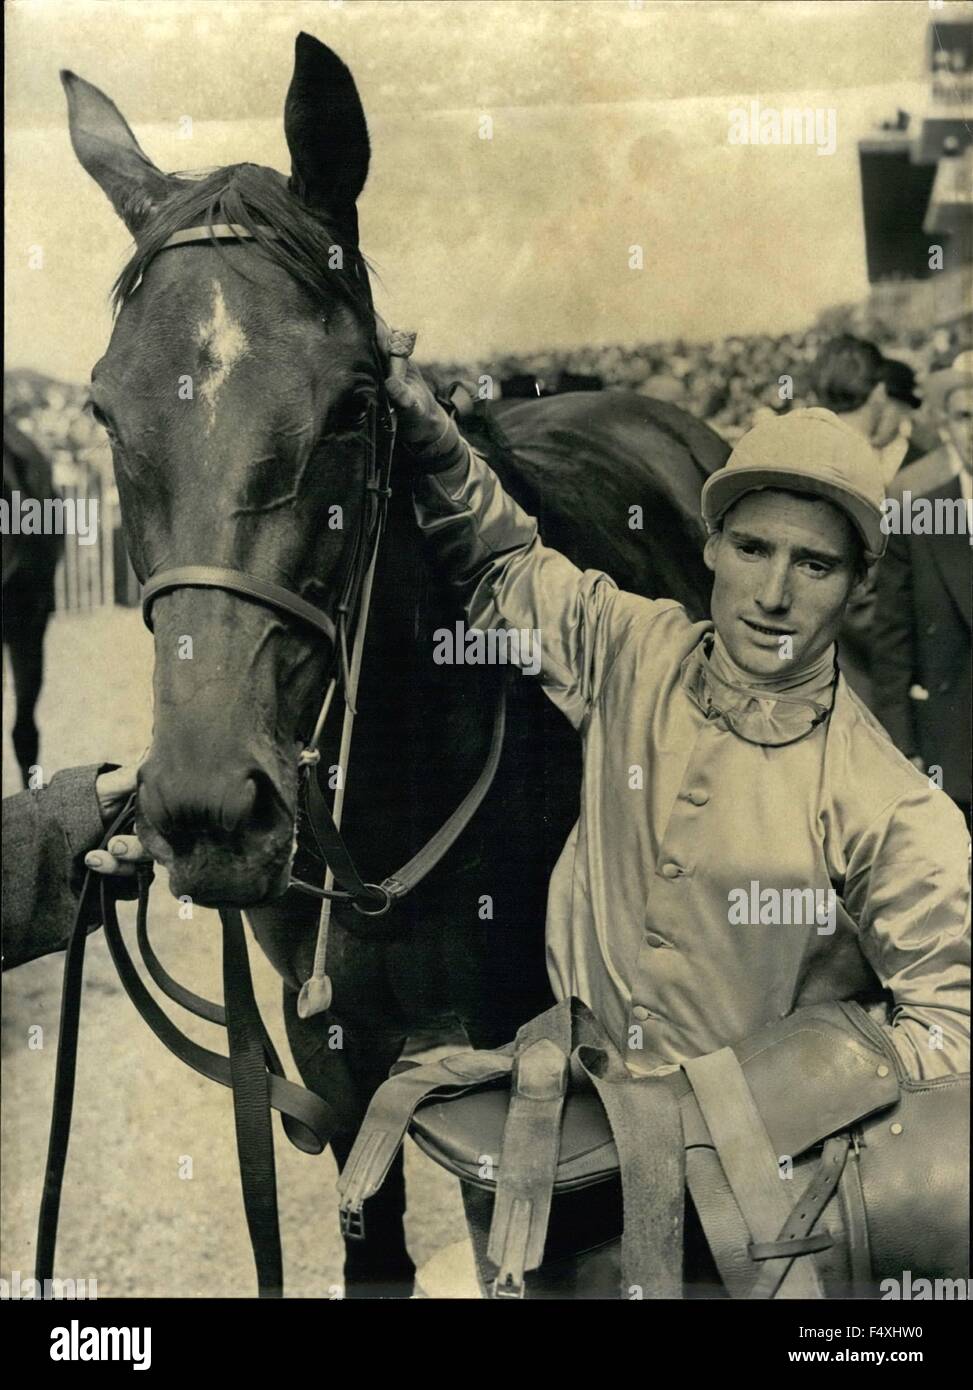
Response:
column 226, row 839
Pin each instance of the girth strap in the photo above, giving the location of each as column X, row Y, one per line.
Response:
column 528, row 1161
column 646, row 1124
column 389, row 1113
column 748, row 1159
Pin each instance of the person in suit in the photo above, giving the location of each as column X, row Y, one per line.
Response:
column 937, row 466
column 51, row 835
column 874, row 396
column 921, row 633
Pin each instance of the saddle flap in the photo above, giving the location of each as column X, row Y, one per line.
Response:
column 817, row 1072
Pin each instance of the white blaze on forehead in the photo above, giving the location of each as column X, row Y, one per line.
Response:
column 223, row 340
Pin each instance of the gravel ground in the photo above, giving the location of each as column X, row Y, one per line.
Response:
column 129, row 1218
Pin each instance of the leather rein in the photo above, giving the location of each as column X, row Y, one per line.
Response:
column 252, row 1069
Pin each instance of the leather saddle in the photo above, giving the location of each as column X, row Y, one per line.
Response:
column 815, row 1166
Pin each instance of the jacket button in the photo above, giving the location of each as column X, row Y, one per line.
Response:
column 652, row 938
column 943, row 687
column 671, row 870
column 641, row 1013
column 930, row 629
column 697, row 798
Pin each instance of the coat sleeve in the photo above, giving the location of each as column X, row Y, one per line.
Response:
column 46, row 834
column 907, row 885
column 570, row 622
column 893, row 647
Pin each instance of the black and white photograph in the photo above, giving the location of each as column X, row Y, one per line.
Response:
column 486, row 521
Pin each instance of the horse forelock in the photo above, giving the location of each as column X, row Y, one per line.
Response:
column 256, row 198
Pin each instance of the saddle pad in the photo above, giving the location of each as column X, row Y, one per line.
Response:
column 462, row 1133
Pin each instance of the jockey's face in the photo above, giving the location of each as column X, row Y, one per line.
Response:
column 784, row 566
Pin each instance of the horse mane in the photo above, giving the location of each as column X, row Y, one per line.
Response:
column 254, row 197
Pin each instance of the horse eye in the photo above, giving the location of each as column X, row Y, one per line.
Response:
column 351, row 413
column 100, row 418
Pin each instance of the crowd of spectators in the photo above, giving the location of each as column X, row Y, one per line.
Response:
column 724, row 382
column 52, row 414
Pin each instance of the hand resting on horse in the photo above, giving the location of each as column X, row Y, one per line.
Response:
column 424, row 427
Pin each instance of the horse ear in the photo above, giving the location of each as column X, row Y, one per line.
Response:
column 110, row 153
column 325, row 128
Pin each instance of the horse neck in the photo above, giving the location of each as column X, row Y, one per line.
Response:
column 421, row 728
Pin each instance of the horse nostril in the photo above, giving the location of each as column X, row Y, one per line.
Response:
column 267, row 807
column 239, row 801
column 184, row 806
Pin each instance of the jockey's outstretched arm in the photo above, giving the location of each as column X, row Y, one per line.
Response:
column 489, row 549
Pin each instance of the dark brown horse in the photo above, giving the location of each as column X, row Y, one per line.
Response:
column 243, row 471
column 29, row 563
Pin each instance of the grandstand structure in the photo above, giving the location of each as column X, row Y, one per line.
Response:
column 917, row 193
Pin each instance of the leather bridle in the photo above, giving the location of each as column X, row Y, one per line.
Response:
column 252, row 1069
column 346, row 633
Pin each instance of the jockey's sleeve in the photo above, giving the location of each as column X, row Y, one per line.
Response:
column 46, row 834
column 907, row 885
column 568, row 623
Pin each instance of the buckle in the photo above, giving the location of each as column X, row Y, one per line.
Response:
column 509, row 1288
column 351, row 1221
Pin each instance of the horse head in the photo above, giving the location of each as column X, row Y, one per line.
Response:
column 237, row 391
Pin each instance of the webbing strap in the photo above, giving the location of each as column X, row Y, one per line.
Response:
column 646, row 1124
column 747, row 1157
column 387, row 1119
column 528, row 1162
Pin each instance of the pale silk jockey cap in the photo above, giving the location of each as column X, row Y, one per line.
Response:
column 811, row 451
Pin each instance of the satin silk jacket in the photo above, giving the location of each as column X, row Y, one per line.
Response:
column 680, row 819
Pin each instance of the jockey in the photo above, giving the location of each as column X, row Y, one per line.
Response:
column 749, row 840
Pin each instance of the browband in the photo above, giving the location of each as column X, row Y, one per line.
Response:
column 219, row 231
